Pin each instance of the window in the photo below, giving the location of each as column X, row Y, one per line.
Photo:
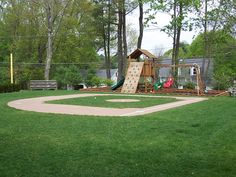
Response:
column 193, row 71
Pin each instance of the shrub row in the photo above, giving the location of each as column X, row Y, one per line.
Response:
column 10, row 88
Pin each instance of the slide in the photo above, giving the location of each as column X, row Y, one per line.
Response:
column 158, row 85
column 169, row 82
column 118, row 84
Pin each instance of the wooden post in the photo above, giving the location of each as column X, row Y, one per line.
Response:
column 11, row 68
column 198, row 79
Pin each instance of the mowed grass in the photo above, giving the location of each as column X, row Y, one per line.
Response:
column 101, row 101
column 193, row 140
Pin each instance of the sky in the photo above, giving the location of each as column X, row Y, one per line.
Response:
column 154, row 40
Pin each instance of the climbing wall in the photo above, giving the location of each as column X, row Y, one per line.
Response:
column 132, row 77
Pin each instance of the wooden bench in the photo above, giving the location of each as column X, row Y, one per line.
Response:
column 43, row 85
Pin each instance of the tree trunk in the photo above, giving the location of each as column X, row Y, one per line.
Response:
column 140, row 38
column 203, row 71
column 105, row 52
column 124, row 40
column 40, row 53
column 120, row 42
column 108, row 41
column 49, row 42
column 174, row 38
column 105, row 44
column 179, row 27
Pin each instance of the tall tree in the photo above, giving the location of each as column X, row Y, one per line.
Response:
column 120, row 53
column 124, row 7
column 180, row 20
column 106, row 23
column 139, row 45
column 55, row 12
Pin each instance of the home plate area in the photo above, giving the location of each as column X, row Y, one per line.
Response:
column 39, row 105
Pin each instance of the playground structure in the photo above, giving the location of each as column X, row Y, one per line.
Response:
column 141, row 75
column 199, row 83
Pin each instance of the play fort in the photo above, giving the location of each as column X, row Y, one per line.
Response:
column 143, row 75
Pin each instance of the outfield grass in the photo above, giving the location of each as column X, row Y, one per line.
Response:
column 193, row 140
column 101, row 101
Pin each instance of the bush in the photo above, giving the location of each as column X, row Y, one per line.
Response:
column 224, row 78
column 4, row 75
column 67, row 76
column 108, row 82
column 24, row 74
column 189, row 85
column 10, row 88
column 95, row 81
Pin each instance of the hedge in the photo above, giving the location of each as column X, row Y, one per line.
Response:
column 10, row 88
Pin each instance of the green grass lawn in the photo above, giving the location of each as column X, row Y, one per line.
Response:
column 100, row 101
column 193, row 140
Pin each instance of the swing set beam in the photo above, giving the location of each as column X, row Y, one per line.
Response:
column 198, row 74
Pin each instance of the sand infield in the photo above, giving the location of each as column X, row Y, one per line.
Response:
column 39, row 104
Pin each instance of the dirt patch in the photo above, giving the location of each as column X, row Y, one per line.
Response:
column 123, row 100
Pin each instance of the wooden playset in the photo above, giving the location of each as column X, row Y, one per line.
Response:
column 141, row 75
column 139, row 69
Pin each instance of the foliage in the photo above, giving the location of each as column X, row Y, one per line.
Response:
column 182, row 142
column 4, row 75
column 91, row 74
column 23, row 74
column 184, row 51
column 95, row 81
column 23, row 31
column 4, row 88
column 225, row 66
column 221, row 49
column 189, row 85
column 67, row 75
column 108, row 82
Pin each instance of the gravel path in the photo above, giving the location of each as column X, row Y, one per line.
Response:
column 38, row 105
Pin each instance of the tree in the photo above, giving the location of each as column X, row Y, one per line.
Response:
column 222, row 50
column 179, row 10
column 124, row 7
column 217, row 15
column 55, row 12
column 184, row 51
column 106, row 18
column 141, row 26
column 67, row 76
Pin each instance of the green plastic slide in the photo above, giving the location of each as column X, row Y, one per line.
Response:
column 118, row 84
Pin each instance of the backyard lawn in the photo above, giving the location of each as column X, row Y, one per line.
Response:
column 193, row 140
column 102, row 101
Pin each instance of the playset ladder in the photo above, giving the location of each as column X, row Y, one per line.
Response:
column 132, row 77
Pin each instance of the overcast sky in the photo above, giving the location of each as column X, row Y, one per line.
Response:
column 154, row 39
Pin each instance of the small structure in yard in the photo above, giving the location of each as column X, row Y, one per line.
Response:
column 232, row 90
column 43, row 85
column 189, row 74
column 141, row 72
column 196, row 71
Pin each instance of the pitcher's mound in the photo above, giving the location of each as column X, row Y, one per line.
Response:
column 123, row 100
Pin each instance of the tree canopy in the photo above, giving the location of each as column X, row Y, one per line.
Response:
column 46, row 34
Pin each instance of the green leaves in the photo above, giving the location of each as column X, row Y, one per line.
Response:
column 68, row 75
